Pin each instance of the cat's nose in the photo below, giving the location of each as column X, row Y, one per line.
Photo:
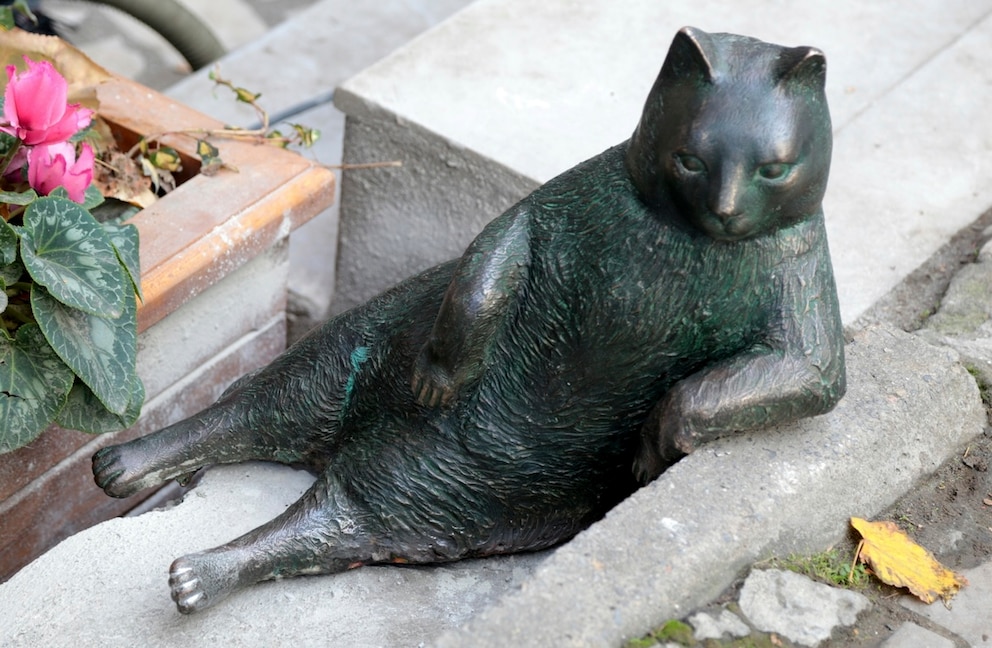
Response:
column 725, row 199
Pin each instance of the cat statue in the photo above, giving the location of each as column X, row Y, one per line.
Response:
column 673, row 289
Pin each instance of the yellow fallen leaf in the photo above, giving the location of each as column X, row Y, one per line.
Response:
column 899, row 561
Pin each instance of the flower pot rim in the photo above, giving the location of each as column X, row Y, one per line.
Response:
column 210, row 225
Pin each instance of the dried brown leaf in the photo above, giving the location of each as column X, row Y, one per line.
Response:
column 120, row 177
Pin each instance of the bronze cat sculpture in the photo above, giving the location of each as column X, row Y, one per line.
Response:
column 675, row 288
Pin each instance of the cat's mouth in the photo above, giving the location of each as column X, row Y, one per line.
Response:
column 729, row 229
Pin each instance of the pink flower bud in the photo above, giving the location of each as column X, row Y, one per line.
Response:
column 35, row 109
column 55, row 165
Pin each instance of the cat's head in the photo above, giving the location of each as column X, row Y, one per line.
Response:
column 737, row 132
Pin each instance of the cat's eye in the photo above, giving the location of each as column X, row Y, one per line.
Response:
column 690, row 163
column 775, row 171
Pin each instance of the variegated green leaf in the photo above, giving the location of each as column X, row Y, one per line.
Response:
column 101, row 351
column 65, row 250
column 83, row 411
column 8, row 243
column 11, row 273
column 18, row 197
column 7, row 18
column 124, row 238
column 92, row 198
column 34, row 384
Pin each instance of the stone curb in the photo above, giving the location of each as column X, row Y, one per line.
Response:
column 654, row 557
column 676, row 544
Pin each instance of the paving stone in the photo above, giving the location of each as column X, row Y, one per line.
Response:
column 706, row 626
column 969, row 613
column 910, row 635
column 964, row 319
column 796, row 607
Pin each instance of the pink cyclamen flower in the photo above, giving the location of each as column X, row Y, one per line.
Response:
column 16, row 166
column 35, row 108
column 56, row 165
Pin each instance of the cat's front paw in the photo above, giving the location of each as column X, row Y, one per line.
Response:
column 432, row 386
column 653, row 458
column 665, row 439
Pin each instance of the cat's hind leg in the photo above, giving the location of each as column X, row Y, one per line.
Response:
column 288, row 412
column 293, row 410
column 321, row 533
column 173, row 452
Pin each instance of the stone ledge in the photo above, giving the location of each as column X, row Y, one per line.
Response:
column 534, row 89
column 909, row 406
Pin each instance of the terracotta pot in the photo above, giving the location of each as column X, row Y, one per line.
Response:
column 214, row 277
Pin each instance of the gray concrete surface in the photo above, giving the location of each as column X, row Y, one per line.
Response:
column 964, row 320
column 968, row 615
column 910, row 635
column 403, row 220
column 108, row 586
column 908, row 90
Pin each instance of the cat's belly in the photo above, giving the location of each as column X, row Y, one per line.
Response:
column 614, row 366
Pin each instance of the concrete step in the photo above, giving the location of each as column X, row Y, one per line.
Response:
column 518, row 92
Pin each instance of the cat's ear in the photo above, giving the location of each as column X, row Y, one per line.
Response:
column 691, row 56
column 806, row 66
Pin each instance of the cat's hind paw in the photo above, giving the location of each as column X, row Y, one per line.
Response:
column 186, row 588
column 120, row 470
column 199, row 580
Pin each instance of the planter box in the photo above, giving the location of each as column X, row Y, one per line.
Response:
column 214, row 269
